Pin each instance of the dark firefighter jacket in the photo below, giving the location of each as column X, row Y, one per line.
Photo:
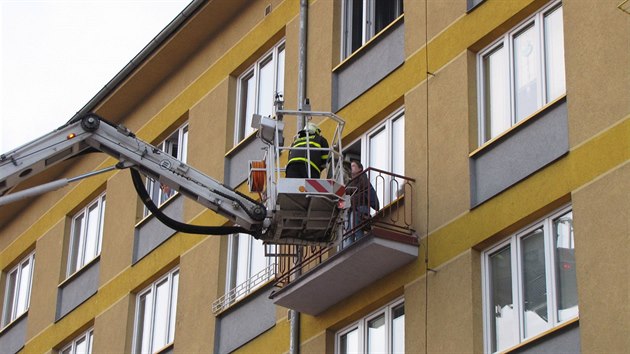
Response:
column 318, row 157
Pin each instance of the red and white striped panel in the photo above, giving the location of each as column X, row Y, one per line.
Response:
column 324, row 186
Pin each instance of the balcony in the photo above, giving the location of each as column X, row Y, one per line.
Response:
column 378, row 239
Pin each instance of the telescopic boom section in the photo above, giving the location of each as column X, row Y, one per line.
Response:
column 92, row 131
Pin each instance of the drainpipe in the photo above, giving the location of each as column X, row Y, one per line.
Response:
column 301, row 94
column 294, row 316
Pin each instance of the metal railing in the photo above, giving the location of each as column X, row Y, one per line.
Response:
column 241, row 290
column 378, row 199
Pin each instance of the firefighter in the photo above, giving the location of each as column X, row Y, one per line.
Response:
column 298, row 165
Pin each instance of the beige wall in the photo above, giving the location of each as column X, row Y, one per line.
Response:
column 118, row 230
column 602, row 245
column 315, row 345
column 198, row 277
column 43, row 303
column 416, row 152
column 114, row 327
column 206, row 141
column 452, row 314
column 449, row 173
column 442, row 13
column 597, row 53
column 415, row 316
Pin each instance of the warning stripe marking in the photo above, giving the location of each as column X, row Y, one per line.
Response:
column 325, row 186
column 340, row 191
column 318, row 186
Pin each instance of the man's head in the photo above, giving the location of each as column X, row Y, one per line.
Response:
column 356, row 167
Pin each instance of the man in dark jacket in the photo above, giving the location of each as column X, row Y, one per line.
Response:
column 298, row 166
column 363, row 198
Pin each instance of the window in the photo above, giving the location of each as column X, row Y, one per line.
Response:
column 529, row 282
column 521, row 72
column 86, row 235
column 156, row 308
column 363, row 19
column 248, row 267
column 17, row 294
column 256, row 91
column 175, row 145
column 381, row 332
column 385, row 150
column 81, row 344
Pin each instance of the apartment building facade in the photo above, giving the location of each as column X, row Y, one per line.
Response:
column 496, row 134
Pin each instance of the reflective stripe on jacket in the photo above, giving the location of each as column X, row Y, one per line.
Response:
column 318, row 157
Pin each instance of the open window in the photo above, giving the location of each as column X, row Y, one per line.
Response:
column 363, row 19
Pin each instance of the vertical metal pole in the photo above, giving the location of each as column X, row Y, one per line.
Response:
column 294, row 316
column 301, row 94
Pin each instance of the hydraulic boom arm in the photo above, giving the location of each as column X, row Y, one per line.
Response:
column 92, row 132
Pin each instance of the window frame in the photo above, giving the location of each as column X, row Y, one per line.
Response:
column 10, row 312
column 71, row 348
column 368, row 23
column 514, row 242
column 171, row 313
column 505, row 42
column 251, row 283
column 387, row 125
column 361, row 326
column 241, row 130
column 77, row 256
column 153, row 186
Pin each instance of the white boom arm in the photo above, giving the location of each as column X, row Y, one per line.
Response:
column 92, row 131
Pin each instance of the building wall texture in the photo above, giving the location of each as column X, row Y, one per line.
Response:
column 460, row 208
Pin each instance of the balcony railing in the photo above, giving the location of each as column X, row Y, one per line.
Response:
column 241, row 290
column 379, row 199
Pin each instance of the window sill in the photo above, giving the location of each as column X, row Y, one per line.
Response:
column 11, row 324
column 538, row 337
column 242, row 143
column 79, row 271
column 166, row 348
column 516, row 126
column 369, row 43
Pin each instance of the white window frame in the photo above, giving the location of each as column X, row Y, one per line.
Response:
column 148, row 320
column 254, row 278
column 514, row 242
column 180, row 135
column 506, row 42
column 242, row 126
column 12, row 299
column 73, row 347
column 78, row 255
column 362, row 328
column 368, row 23
column 387, row 126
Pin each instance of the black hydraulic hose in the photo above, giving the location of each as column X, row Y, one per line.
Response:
column 177, row 225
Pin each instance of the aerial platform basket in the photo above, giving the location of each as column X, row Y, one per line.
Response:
column 305, row 211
